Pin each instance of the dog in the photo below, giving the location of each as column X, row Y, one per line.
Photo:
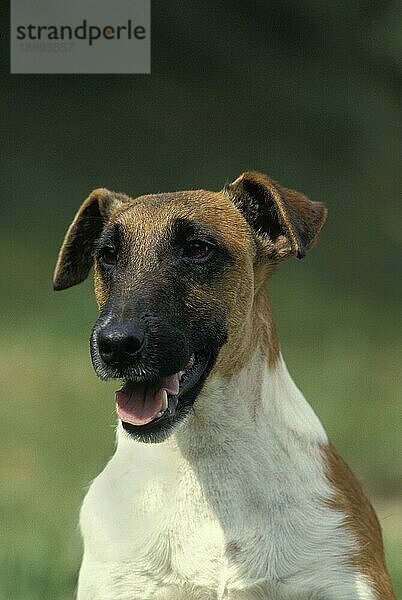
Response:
column 223, row 484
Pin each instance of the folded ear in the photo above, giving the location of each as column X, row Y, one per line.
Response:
column 285, row 221
column 76, row 253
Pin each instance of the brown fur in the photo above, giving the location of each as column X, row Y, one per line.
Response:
column 299, row 220
column 361, row 521
column 75, row 256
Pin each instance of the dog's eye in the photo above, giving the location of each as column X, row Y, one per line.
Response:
column 108, row 255
column 197, row 249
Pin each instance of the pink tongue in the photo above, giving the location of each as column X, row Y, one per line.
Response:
column 139, row 403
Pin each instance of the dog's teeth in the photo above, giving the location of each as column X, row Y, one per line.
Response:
column 191, row 362
column 164, row 402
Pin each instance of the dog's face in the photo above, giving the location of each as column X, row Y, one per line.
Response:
column 175, row 278
column 166, row 272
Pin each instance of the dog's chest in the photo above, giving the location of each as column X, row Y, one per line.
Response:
column 151, row 526
column 154, row 527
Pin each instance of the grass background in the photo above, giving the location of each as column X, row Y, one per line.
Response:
column 308, row 92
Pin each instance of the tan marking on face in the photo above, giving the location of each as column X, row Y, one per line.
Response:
column 101, row 290
column 241, row 292
column 361, row 521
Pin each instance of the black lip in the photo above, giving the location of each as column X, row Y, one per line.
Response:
column 179, row 405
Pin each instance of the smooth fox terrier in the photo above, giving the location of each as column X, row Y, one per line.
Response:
column 224, row 484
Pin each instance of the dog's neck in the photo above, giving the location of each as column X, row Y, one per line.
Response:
column 257, row 400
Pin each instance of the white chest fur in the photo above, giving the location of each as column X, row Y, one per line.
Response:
column 231, row 507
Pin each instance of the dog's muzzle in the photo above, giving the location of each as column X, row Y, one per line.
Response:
column 161, row 374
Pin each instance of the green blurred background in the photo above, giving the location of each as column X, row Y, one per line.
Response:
column 308, row 92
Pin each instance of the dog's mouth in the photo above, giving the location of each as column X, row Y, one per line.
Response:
column 147, row 406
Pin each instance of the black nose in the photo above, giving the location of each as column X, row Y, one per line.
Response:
column 120, row 343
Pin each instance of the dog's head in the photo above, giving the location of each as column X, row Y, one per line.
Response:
column 176, row 277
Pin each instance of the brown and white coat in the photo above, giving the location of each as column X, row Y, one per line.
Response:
column 246, row 499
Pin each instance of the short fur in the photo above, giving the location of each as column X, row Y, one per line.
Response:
column 245, row 498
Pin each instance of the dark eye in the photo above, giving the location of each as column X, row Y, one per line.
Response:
column 107, row 255
column 197, row 249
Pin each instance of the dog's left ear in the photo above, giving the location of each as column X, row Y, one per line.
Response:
column 76, row 253
column 284, row 221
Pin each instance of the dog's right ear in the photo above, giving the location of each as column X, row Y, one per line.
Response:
column 76, row 253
